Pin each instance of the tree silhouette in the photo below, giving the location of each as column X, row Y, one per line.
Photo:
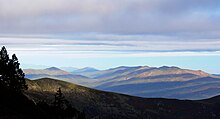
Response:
column 60, row 100
column 11, row 75
column 63, row 108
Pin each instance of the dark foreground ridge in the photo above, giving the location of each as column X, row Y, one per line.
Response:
column 16, row 105
column 106, row 105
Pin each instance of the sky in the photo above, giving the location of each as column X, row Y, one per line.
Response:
column 110, row 33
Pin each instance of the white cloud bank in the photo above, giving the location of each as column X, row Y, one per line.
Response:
column 117, row 46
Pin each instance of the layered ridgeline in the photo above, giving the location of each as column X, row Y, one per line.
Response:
column 87, row 71
column 144, row 81
column 167, row 82
column 105, row 105
column 56, row 73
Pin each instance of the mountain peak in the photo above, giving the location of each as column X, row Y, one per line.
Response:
column 88, row 69
column 169, row 67
column 85, row 70
column 52, row 69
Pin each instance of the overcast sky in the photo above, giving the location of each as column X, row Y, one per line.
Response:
column 117, row 32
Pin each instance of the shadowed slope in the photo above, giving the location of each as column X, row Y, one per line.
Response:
column 107, row 105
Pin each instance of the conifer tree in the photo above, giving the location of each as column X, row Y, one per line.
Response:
column 11, row 75
column 64, row 109
column 4, row 58
column 59, row 101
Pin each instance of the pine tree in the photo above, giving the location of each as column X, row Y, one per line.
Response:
column 11, row 75
column 59, row 101
column 4, row 58
column 64, row 109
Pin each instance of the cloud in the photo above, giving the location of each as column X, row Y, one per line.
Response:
column 108, row 16
column 101, row 50
column 116, row 45
column 60, row 32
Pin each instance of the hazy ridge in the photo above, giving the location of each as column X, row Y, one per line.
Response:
column 143, row 81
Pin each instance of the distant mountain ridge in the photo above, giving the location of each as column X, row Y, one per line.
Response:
column 47, row 71
column 69, row 69
column 143, row 81
column 146, row 73
column 53, row 69
column 85, row 71
column 54, row 72
column 167, row 82
column 142, row 71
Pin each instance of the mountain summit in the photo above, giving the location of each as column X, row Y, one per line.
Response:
column 85, row 70
column 53, row 69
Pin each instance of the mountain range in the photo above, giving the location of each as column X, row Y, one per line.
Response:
column 166, row 82
column 143, row 81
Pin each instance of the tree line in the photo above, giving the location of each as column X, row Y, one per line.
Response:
column 11, row 75
column 12, row 79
